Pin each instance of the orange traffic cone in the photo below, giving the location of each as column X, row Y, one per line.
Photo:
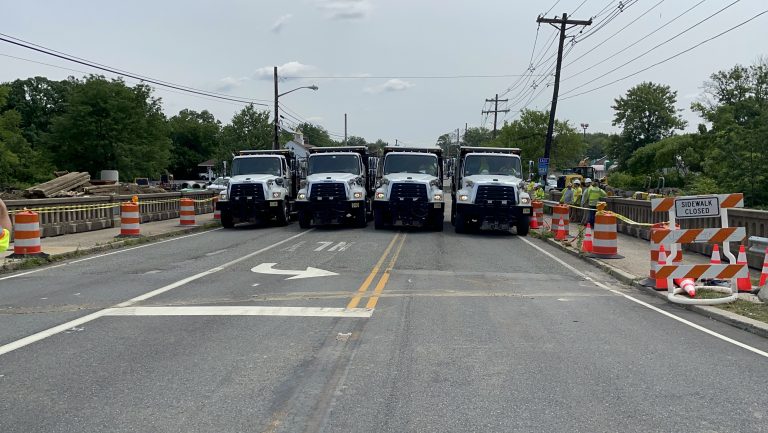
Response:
column 661, row 283
column 586, row 246
column 743, row 284
column 764, row 273
column 715, row 259
column 561, row 236
column 688, row 285
column 534, row 223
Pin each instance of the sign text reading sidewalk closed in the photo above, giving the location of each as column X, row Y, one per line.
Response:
column 697, row 207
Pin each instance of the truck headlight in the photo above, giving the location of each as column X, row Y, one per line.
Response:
column 223, row 196
column 303, row 183
column 276, row 194
column 302, row 196
column 463, row 197
column 434, row 182
column 525, row 200
column 437, row 197
column 469, row 183
column 379, row 196
column 357, row 194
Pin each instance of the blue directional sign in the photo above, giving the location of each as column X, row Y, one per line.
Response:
column 543, row 165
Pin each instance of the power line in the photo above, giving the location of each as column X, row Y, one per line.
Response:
column 550, row 8
column 70, row 58
column 609, row 19
column 408, row 77
column 670, row 57
column 648, row 51
column 630, row 45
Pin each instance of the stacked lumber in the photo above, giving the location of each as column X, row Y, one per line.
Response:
column 61, row 184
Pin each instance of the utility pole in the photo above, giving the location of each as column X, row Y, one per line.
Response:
column 276, row 143
column 345, row 129
column 563, row 23
column 495, row 110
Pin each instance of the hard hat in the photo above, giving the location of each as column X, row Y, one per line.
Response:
column 577, row 182
column 536, row 185
column 587, row 180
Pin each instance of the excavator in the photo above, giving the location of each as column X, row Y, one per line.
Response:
column 581, row 172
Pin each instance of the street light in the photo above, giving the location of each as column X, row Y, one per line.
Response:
column 585, row 126
column 276, row 143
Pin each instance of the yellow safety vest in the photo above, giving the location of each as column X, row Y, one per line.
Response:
column 577, row 196
column 539, row 194
column 5, row 240
column 594, row 194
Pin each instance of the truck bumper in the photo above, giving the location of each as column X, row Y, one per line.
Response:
column 331, row 212
column 496, row 216
column 249, row 210
column 409, row 213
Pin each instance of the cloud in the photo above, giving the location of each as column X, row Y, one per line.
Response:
column 278, row 25
column 290, row 69
column 228, row 83
column 393, row 85
column 345, row 9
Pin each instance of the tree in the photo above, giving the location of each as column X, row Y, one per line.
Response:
column 316, row 135
column 377, row 147
column 195, row 138
column 529, row 133
column 356, row 141
column 646, row 115
column 108, row 125
column 249, row 129
column 20, row 164
column 598, row 144
column 38, row 101
column 477, row 137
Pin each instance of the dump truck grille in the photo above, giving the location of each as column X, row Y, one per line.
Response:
column 328, row 192
column 251, row 191
column 495, row 195
column 413, row 192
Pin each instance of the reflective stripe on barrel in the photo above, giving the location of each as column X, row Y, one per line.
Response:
column 129, row 219
column 605, row 240
column 26, row 233
column 187, row 211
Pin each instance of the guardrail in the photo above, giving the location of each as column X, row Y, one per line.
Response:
column 755, row 221
column 59, row 216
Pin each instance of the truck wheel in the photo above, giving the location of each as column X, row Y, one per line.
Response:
column 453, row 211
column 378, row 220
column 305, row 220
column 227, row 222
column 460, row 223
column 437, row 221
column 283, row 217
column 361, row 219
column 523, row 224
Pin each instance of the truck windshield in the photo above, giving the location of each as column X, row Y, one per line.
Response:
column 501, row 165
column 334, row 164
column 258, row 165
column 410, row 163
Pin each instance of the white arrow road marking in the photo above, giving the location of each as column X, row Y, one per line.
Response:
column 310, row 272
column 323, row 245
column 341, row 246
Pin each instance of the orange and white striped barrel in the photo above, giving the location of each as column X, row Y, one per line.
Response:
column 216, row 211
column 26, row 235
column 129, row 220
column 538, row 212
column 605, row 242
column 187, row 212
column 658, row 228
column 558, row 212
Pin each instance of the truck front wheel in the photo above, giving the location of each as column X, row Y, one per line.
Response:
column 305, row 220
column 460, row 223
column 283, row 217
column 378, row 219
column 226, row 221
column 361, row 219
column 523, row 224
column 436, row 222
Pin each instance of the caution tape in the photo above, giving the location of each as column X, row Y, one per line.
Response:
column 83, row 207
column 618, row 216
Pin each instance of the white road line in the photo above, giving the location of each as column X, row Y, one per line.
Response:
column 323, row 245
column 120, row 251
column 244, row 310
column 649, row 306
column 85, row 319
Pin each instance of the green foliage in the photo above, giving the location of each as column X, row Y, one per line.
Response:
column 529, row 133
column 700, row 184
column 627, row 181
column 477, row 137
column 356, row 141
column 377, row 147
column 646, row 114
column 108, row 125
column 597, row 144
column 38, row 101
column 316, row 135
column 195, row 138
column 249, row 129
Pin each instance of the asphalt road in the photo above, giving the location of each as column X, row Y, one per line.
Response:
column 389, row 332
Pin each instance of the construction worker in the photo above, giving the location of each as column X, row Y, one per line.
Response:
column 538, row 193
column 575, row 213
column 567, row 197
column 5, row 227
column 590, row 198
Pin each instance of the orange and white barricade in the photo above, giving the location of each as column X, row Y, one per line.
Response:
column 216, row 211
column 605, row 242
column 130, row 220
column 698, row 207
column 657, row 241
column 538, row 212
column 26, row 236
column 187, row 212
column 561, row 212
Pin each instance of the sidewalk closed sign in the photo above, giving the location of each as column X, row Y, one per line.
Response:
column 699, row 207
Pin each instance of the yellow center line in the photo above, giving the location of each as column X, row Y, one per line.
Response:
column 385, row 277
column 364, row 287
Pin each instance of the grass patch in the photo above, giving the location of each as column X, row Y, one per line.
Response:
column 743, row 308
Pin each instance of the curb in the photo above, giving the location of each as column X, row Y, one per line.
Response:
column 113, row 245
column 723, row 316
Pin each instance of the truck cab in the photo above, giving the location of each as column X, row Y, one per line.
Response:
column 262, row 188
column 409, row 190
column 487, row 190
column 337, row 187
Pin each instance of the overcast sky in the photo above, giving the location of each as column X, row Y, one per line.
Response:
column 401, row 53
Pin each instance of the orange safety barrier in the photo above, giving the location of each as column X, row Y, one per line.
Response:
column 743, row 284
column 538, row 213
column 764, row 271
column 561, row 235
column 587, row 244
column 26, row 236
column 658, row 238
column 187, row 212
column 216, row 211
column 129, row 220
column 605, row 244
column 559, row 212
